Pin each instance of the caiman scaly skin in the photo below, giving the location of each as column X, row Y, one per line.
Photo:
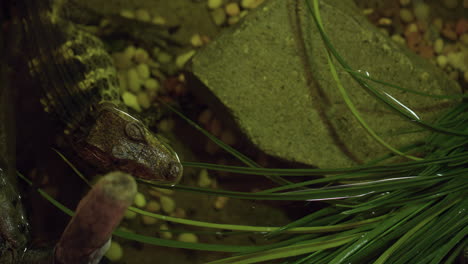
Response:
column 79, row 85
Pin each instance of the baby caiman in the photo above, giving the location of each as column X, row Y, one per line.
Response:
column 79, row 86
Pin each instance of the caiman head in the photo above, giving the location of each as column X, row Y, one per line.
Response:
column 118, row 141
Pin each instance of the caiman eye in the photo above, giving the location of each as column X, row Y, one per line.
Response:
column 135, row 131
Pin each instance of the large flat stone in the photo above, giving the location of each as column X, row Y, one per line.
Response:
column 271, row 73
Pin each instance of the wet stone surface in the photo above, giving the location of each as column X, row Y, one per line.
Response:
column 271, row 73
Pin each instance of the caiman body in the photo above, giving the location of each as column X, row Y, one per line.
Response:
column 79, row 87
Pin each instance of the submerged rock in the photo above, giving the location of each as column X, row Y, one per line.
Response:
column 270, row 72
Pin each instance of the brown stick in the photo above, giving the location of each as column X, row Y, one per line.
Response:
column 88, row 234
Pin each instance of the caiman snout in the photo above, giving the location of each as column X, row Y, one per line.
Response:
column 118, row 141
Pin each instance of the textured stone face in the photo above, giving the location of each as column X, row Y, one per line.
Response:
column 271, row 73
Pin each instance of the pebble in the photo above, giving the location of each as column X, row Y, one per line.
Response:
column 384, row 21
column 159, row 20
column 129, row 214
column 141, row 55
column 398, row 39
column 130, row 52
column 421, row 11
column 133, row 80
column 232, row 9
column 441, row 61
column 142, row 15
column 449, row 33
column 151, row 84
column 165, row 234
column 140, row 200
column 144, row 100
column 115, row 252
column 153, row 206
column 122, row 76
column 148, row 220
column 205, row 117
column 456, row 59
column 166, row 125
column 188, row 237
column 213, row 4
column 228, row 137
column 438, row 45
column 215, row 127
column 204, row 179
column 131, row 101
column 406, row 15
column 196, row 40
column 167, row 204
column 179, row 213
column 143, row 71
column 163, row 57
column 220, row 202
column 184, row 58
column 218, row 16
column 127, row 13
column 232, row 20
column 247, row 3
column 438, row 23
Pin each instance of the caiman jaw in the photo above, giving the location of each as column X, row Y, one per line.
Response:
column 118, row 141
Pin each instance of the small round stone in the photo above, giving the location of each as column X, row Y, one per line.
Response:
column 213, row 4
column 131, row 100
column 441, row 61
column 247, row 3
column 129, row 214
column 130, row 52
column 205, row 117
column 140, row 200
column 421, row 11
column 218, row 16
column 148, row 220
column 168, row 204
column 196, row 40
column 115, row 252
column 143, row 100
column 183, row 58
column 127, row 13
column 143, row 15
column 143, row 71
column 153, row 206
column 233, row 20
column 439, row 45
column 188, row 237
column 398, row 39
column 165, row 234
column 232, row 9
column 141, row 55
column 406, row 15
column 166, row 125
column 151, row 84
column 220, row 202
column 204, row 179
column 133, row 81
column 159, row 20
